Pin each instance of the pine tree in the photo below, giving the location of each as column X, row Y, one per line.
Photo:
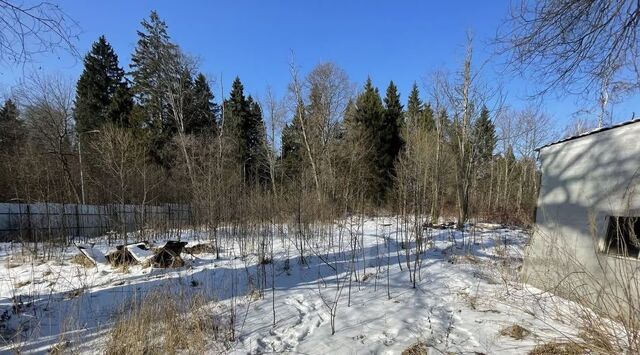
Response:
column 247, row 128
column 11, row 128
column 255, row 138
column 120, row 108
column 102, row 94
column 153, row 51
column 414, row 106
column 485, row 137
column 292, row 145
column 427, row 120
column 369, row 118
column 418, row 114
column 236, row 108
column 203, row 111
column 390, row 139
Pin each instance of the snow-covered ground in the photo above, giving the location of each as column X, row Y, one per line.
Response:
column 463, row 299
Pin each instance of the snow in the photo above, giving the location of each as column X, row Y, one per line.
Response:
column 140, row 252
column 461, row 302
column 96, row 256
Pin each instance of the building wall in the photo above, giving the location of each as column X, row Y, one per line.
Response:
column 583, row 181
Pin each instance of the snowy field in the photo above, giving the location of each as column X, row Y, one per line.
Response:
column 464, row 297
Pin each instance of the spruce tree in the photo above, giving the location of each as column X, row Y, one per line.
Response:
column 391, row 140
column 427, row 121
column 153, row 50
column 203, row 111
column 484, row 137
column 11, row 128
column 418, row 114
column 102, row 94
column 369, row 118
column 236, row 108
column 292, row 145
column 247, row 128
column 121, row 107
column 255, row 137
column 414, row 106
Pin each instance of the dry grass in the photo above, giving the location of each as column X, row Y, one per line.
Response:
column 74, row 293
column 418, row 348
column 82, row 260
column 22, row 284
column 558, row 348
column 201, row 249
column 166, row 323
column 515, row 331
column 60, row 348
column 597, row 339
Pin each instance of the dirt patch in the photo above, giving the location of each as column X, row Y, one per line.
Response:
column 516, row 332
column 558, row 348
column 418, row 348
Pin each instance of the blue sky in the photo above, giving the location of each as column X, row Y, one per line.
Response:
column 403, row 41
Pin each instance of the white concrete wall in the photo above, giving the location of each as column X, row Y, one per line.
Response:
column 583, row 181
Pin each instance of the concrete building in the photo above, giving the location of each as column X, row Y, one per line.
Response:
column 585, row 244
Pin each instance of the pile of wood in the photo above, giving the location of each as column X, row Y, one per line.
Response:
column 141, row 253
column 447, row 225
column 169, row 255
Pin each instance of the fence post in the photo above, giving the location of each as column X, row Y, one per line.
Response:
column 30, row 233
column 77, row 234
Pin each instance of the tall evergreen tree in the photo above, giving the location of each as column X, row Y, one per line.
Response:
column 255, row 137
column 102, row 94
column 247, row 128
column 369, row 118
column 11, row 128
column 236, row 109
column 203, row 111
column 428, row 120
column 390, row 138
column 153, row 51
column 292, row 145
column 419, row 114
column 484, row 137
column 414, row 105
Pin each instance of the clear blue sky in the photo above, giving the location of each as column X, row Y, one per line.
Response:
column 402, row 41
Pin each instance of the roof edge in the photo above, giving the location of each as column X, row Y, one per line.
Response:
column 594, row 131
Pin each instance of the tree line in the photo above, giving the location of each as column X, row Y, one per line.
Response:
column 156, row 133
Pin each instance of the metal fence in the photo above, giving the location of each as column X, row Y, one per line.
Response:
column 35, row 221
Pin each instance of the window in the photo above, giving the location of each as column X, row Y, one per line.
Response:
column 623, row 236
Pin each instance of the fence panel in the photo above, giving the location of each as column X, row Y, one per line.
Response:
column 50, row 221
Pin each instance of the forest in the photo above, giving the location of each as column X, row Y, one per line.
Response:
column 331, row 217
column 154, row 133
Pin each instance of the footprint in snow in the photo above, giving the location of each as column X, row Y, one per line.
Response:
column 288, row 337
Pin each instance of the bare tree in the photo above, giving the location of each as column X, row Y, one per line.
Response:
column 122, row 161
column 296, row 87
column 275, row 111
column 178, row 70
column 462, row 98
column 48, row 107
column 578, row 46
column 30, row 28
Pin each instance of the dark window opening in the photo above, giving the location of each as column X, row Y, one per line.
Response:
column 623, row 236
